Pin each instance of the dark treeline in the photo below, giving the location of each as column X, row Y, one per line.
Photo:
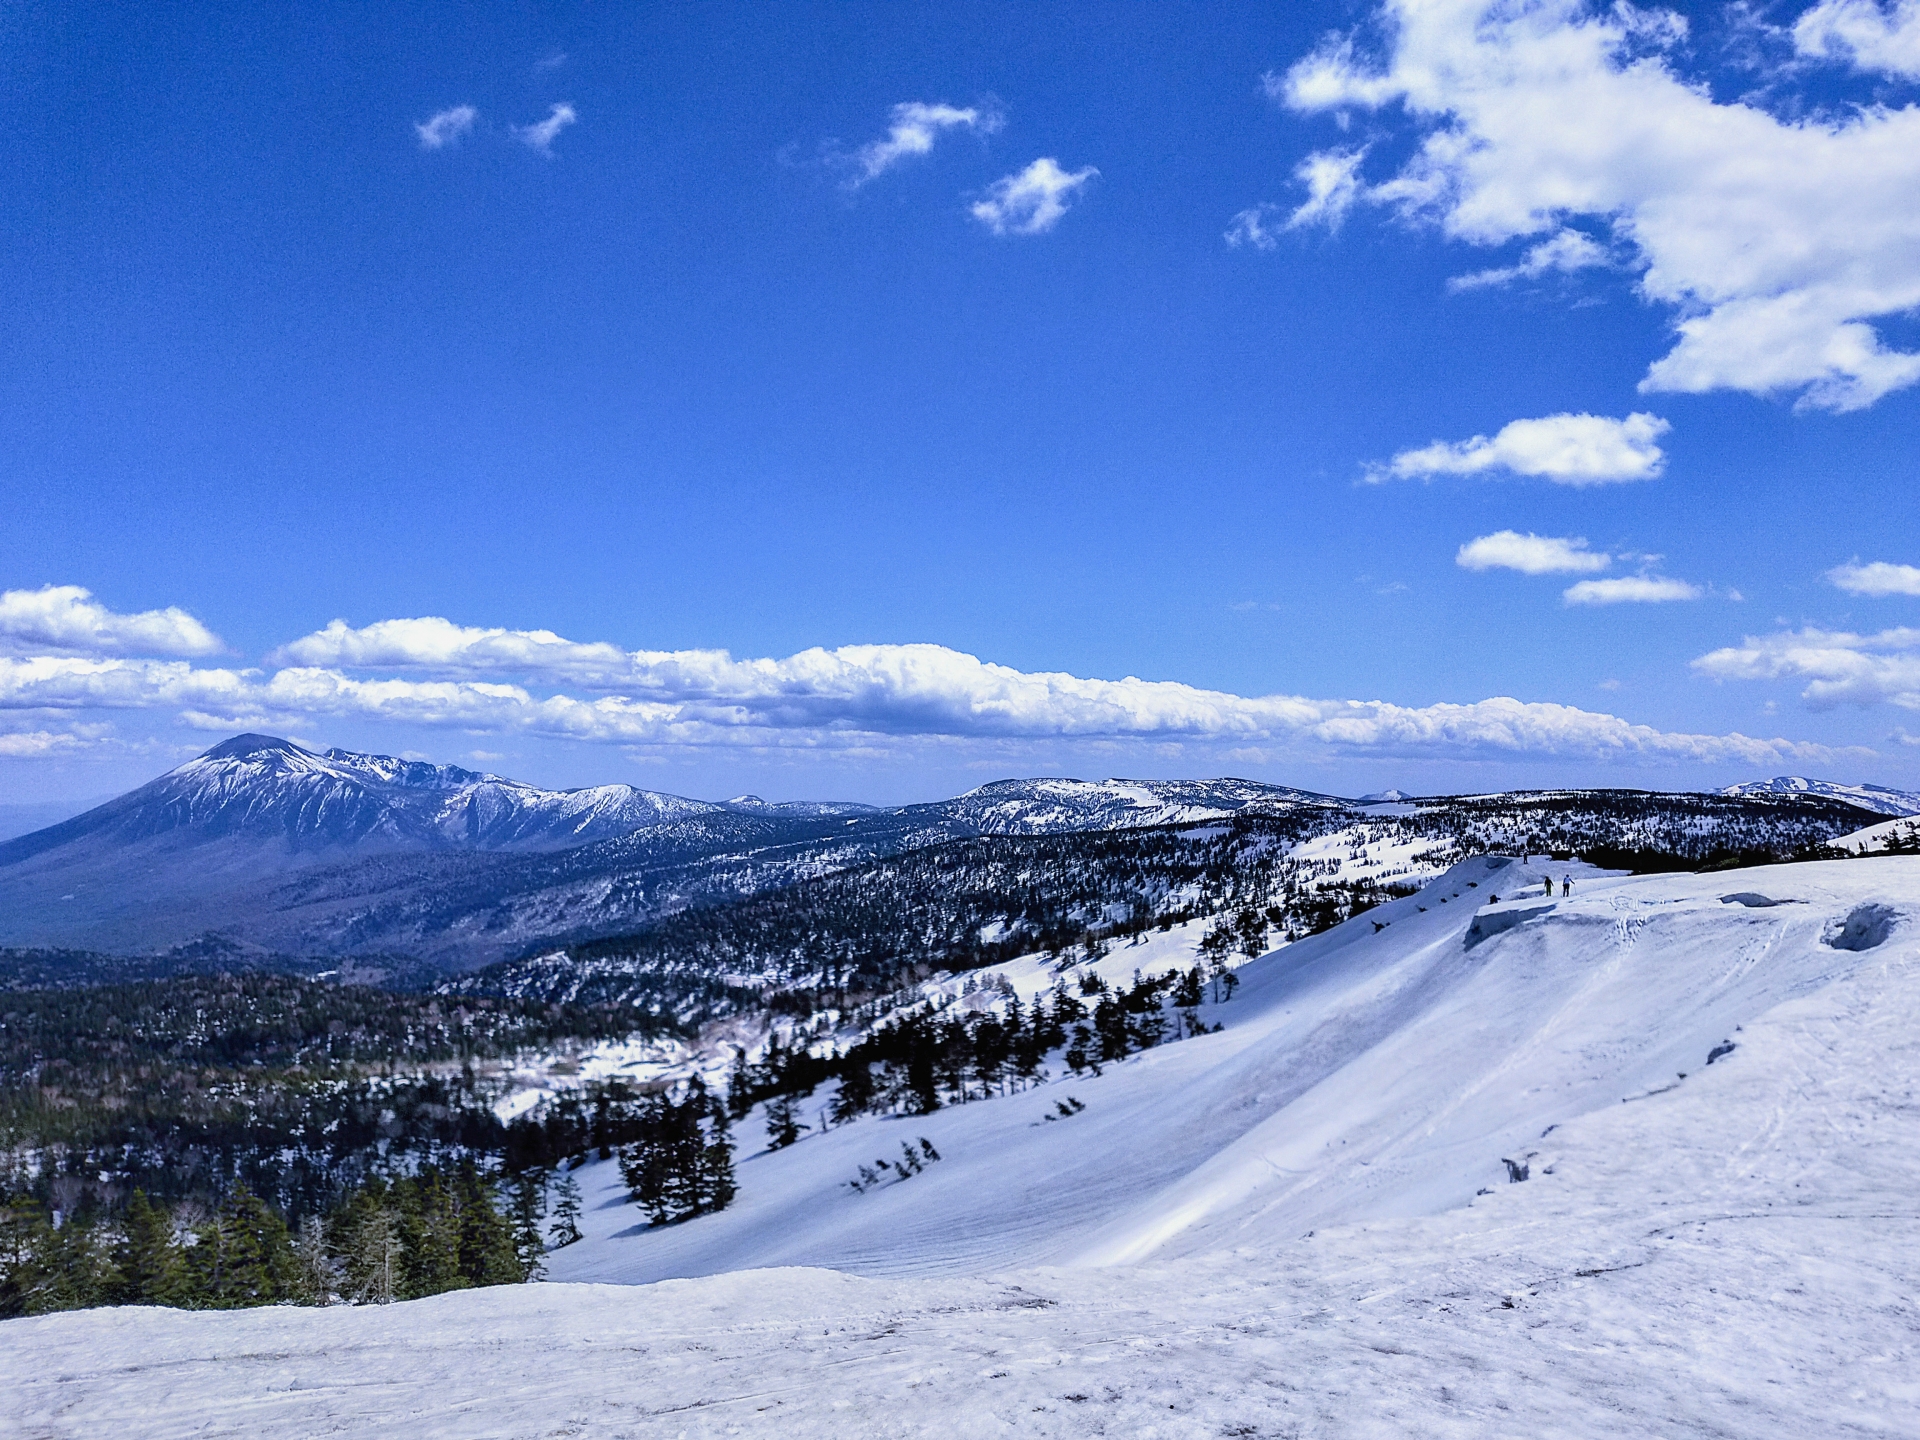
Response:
column 1641, row 830
column 298, row 1090
column 419, row 1235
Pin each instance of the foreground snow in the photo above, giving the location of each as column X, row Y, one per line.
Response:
column 1735, row 1253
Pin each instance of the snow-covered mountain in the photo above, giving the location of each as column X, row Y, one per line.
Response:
column 1634, row 1162
column 1878, row 798
column 268, row 845
column 800, row 809
column 263, row 788
column 1050, row 806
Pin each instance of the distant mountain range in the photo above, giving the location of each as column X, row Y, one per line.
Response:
column 263, row 845
column 266, row 843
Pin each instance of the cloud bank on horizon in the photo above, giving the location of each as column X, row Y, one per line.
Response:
column 434, row 673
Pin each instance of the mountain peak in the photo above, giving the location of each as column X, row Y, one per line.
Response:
column 242, row 746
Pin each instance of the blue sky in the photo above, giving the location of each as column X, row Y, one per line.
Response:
column 1177, row 346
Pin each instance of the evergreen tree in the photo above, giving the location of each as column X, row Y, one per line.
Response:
column 241, row 1256
column 147, row 1259
column 429, row 1236
column 488, row 1255
column 783, row 1122
column 528, row 1199
column 681, row 1164
column 566, row 1211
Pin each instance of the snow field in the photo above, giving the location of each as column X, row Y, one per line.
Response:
column 1269, row 1231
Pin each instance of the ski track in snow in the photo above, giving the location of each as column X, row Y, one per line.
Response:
column 1272, row 1231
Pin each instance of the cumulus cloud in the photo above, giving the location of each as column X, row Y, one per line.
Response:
column 1776, row 241
column 1874, row 38
column 1530, row 554
column 66, row 619
column 432, row 672
column 1839, row 667
column 914, row 129
column 446, row 128
column 1630, row 590
column 1564, row 253
column 1878, row 578
column 848, row 696
column 541, row 135
column 1566, row 449
column 1032, row 201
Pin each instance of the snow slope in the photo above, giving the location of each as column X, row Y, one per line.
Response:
column 1874, row 839
column 1273, row 1230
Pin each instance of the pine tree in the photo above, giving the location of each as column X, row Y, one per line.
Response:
column 529, row 1206
column 681, row 1164
column 147, row 1259
column 430, row 1236
column 244, row 1256
column 487, row 1252
column 783, row 1122
column 566, row 1211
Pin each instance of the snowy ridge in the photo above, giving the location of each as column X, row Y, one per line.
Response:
column 1878, row 798
column 1364, row 1073
column 1302, row 1225
column 1041, row 807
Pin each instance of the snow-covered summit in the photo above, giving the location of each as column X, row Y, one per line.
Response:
column 264, row 788
column 1879, row 798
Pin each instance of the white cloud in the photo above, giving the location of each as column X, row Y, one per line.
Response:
column 431, row 643
column 1566, row 449
column 1839, row 667
column 1033, row 200
column 1254, row 227
column 914, row 129
column 1630, row 590
column 1332, row 178
column 67, row 619
column 446, row 128
column 1873, row 37
column 541, row 135
column 1878, row 578
column 852, row 700
column 1564, row 253
column 71, row 682
column 848, row 697
column 37, row 744
column 1530, row 554
column 1776, row 241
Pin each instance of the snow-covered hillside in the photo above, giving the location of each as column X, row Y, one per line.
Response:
column 1899, row 834
column 1302, row 1225
column 1051, row 806
column 1880, row 798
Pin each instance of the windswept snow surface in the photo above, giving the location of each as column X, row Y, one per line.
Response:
column 1273, row 1230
